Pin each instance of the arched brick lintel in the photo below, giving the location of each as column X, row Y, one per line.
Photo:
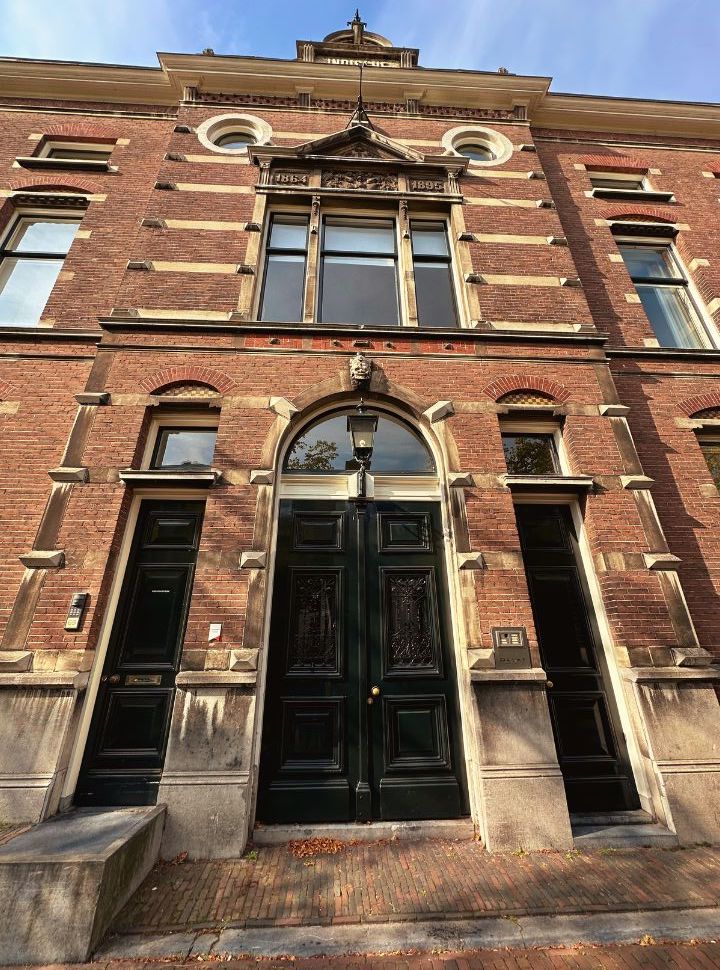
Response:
column 642, row 213
column 692, row 405
column 81, row 131
column 526, row 382
column 215, row 379
column 54, row 182
column 615, row 163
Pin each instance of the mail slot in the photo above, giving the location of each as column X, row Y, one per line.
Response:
column 143, row 680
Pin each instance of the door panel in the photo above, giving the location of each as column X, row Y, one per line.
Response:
column 359, row 603
column 309, row 744
column 586, row 725
column 129, row 730
column 417, row 767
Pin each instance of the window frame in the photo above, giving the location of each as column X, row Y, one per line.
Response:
column 395, row 256
column 646, row 191
column 176, row 418
column 267, row 251
column 446, row 260
column 535, row 426
column 706, row 437
column 705, row 327
column 50, row 145
column 404, row 262
column 7, row 232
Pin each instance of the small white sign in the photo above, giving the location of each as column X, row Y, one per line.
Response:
column 215, row 633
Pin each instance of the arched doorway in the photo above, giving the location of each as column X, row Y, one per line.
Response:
column 361, row 709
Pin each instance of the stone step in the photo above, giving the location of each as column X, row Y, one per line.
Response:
column 633, row 836
column 63, row 881
column 457, row 828
column 635, row 817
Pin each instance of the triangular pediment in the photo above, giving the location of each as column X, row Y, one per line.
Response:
column 359, row 142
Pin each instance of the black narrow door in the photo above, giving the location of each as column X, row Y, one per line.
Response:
column 128, row 734
column 361, row 716
column 589, row 740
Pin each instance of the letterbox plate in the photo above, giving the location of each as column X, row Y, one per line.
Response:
column 143, row 680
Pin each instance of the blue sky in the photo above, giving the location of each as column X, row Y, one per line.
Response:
column 636, row 48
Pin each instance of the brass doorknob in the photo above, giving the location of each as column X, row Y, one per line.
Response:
column 549, row 684
column 112, row 679
column 375, row 691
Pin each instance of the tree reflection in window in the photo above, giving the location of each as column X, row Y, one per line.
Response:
column 326, row 447
column 530, row 454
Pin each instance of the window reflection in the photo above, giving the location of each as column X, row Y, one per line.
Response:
column 530, row 454
column 184, row 448
column 326, row 447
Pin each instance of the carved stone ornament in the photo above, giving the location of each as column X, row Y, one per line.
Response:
column 285, row 177
column 360, row 370
column 360, row 180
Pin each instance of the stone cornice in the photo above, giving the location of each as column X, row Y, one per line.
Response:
column 166, row 85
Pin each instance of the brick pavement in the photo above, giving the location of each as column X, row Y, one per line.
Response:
column 683, row 956
column 416, row 880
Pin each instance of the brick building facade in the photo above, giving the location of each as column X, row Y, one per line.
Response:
column 205, row 266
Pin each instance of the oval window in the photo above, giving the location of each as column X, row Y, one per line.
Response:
column 476, row 152
column 235, row 139
column 326, row 447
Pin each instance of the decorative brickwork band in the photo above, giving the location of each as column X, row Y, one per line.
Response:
column 215, row 379
column 692, row 405
column 526, row 382
column 5, row 390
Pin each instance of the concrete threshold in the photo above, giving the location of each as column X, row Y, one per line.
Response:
column 458, row 828
column 451, row 935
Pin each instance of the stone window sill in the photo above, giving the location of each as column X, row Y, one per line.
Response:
column 162, row 478
column 548, row 483
column 66, row 164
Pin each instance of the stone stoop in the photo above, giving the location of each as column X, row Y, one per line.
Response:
column 63, row 882
column 460, row 828
column 620, row 830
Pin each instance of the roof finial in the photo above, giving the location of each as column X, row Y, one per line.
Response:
column 358, row 28
column 360, row 115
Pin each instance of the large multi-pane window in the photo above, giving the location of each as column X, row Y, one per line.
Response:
column 359, row 272
column 662, row 286
column 30, row 260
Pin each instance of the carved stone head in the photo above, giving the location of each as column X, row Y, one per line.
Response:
column 360, row 370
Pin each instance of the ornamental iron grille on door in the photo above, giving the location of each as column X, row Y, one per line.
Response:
column 361, row 717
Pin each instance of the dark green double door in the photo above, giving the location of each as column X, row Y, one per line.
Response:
column 361, row 713
column 125, row 751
